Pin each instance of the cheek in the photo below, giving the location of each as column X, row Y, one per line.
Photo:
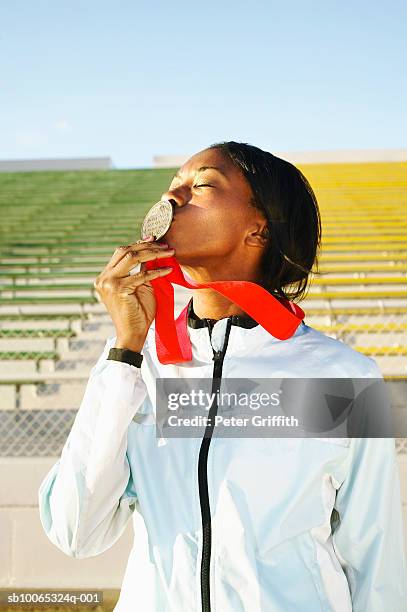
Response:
column 220, row 227
column 229, row 223
column 200, row 230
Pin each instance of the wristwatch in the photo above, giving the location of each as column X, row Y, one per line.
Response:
column 127, row 356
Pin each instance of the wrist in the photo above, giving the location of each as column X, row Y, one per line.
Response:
column 132, row 344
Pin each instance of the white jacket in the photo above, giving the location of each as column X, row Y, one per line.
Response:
column 291, row 525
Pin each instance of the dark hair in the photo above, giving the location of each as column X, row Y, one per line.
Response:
column 283, row 194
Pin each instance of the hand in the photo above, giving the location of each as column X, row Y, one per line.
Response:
column 130, row 300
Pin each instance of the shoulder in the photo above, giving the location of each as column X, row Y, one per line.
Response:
column 336, row 355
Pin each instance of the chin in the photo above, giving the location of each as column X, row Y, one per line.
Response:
column 173, row 243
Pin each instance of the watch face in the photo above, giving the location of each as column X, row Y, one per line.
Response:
column 157, row 220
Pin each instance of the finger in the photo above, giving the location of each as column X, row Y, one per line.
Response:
column 132, row 258
column 129, row 283
column 121, row 250
column 139, row 268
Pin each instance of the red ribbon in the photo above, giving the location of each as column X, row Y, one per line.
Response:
column 279, row 317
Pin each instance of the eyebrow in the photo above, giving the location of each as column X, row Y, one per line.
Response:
column 201, row 169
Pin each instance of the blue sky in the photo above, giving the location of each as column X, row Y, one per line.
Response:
column 133, row 79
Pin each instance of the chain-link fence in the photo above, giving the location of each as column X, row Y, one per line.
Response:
column 39, row 401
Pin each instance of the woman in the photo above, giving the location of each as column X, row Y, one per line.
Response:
column 233, row 524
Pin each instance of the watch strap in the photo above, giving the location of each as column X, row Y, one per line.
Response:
column 126, row 356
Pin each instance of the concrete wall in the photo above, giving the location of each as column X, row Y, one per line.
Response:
column 27, row 557
column 29, row 560
column 40, row 165
column 306, row 157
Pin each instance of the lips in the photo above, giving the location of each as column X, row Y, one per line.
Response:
column 169, row 230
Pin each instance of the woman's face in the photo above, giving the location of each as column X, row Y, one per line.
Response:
column 213, row 219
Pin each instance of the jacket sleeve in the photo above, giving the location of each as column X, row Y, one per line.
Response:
column 88, row 496
column 369, row 539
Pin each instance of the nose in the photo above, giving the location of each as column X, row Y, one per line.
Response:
column 175, row 197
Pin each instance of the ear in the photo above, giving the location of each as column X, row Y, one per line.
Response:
column 258, row 235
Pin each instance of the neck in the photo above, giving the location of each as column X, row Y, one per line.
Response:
column 209, row 304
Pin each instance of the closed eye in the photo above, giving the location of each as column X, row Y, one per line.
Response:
column 204, row 185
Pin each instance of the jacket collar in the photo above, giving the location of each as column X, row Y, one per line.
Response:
column 240, row 320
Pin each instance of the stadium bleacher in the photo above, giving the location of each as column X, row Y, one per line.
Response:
column 59, row 229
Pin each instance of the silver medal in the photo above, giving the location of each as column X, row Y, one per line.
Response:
column 157, row 220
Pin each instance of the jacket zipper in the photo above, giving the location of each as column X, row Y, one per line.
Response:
column 218, row 357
